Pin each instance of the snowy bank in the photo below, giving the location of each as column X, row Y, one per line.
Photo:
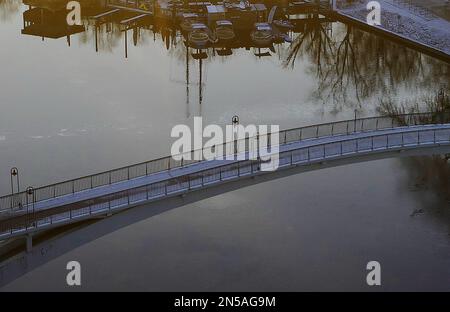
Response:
column 426, row 28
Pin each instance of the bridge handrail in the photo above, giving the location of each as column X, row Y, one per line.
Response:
column 11, row 202
column 32, row 220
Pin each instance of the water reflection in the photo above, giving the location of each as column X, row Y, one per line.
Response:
column 8, row 8
column 432, row 173
column 351, row 66
column 327, row 71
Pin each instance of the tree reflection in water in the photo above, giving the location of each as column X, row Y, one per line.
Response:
column 353, row 66
column 8, row 8
column 427, row 173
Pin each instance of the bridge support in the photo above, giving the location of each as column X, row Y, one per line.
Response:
column 29, row 242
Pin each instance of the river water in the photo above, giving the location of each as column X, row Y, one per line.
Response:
column 69, row 111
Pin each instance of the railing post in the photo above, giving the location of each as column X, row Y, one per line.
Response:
column 317, row 131
column 376, row 125
column 309, row 155
column 332, row 129
column 73, row 186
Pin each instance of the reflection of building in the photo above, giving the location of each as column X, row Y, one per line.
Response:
column 47, row 19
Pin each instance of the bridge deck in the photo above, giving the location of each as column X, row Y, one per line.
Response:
column 198, row 175
column 205, row 165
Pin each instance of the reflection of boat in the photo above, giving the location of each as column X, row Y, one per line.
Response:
column 262, row 35
column 199, row 36
column 262, row 54
column 199, row 55
column 224, row 52
column 188, row 20
column 224, row 31
column 283, row 24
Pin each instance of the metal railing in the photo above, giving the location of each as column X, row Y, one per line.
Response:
column 17, row 201
column 316, row 153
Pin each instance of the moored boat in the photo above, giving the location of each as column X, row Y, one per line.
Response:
column 199, row 35
column 262, row 35
column 283, row 25
column 224, row 31
column 188, row 19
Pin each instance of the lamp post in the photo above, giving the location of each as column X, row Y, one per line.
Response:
column 15, row 174
column 30, row 192
column 235, row 122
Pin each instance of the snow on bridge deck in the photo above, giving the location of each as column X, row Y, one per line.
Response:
column 157, row 186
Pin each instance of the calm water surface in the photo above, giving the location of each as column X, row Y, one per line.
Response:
column 69, row 111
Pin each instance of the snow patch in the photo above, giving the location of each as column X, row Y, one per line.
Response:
column 430, row 29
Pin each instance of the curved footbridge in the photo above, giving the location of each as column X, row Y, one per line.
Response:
column 300, row 149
